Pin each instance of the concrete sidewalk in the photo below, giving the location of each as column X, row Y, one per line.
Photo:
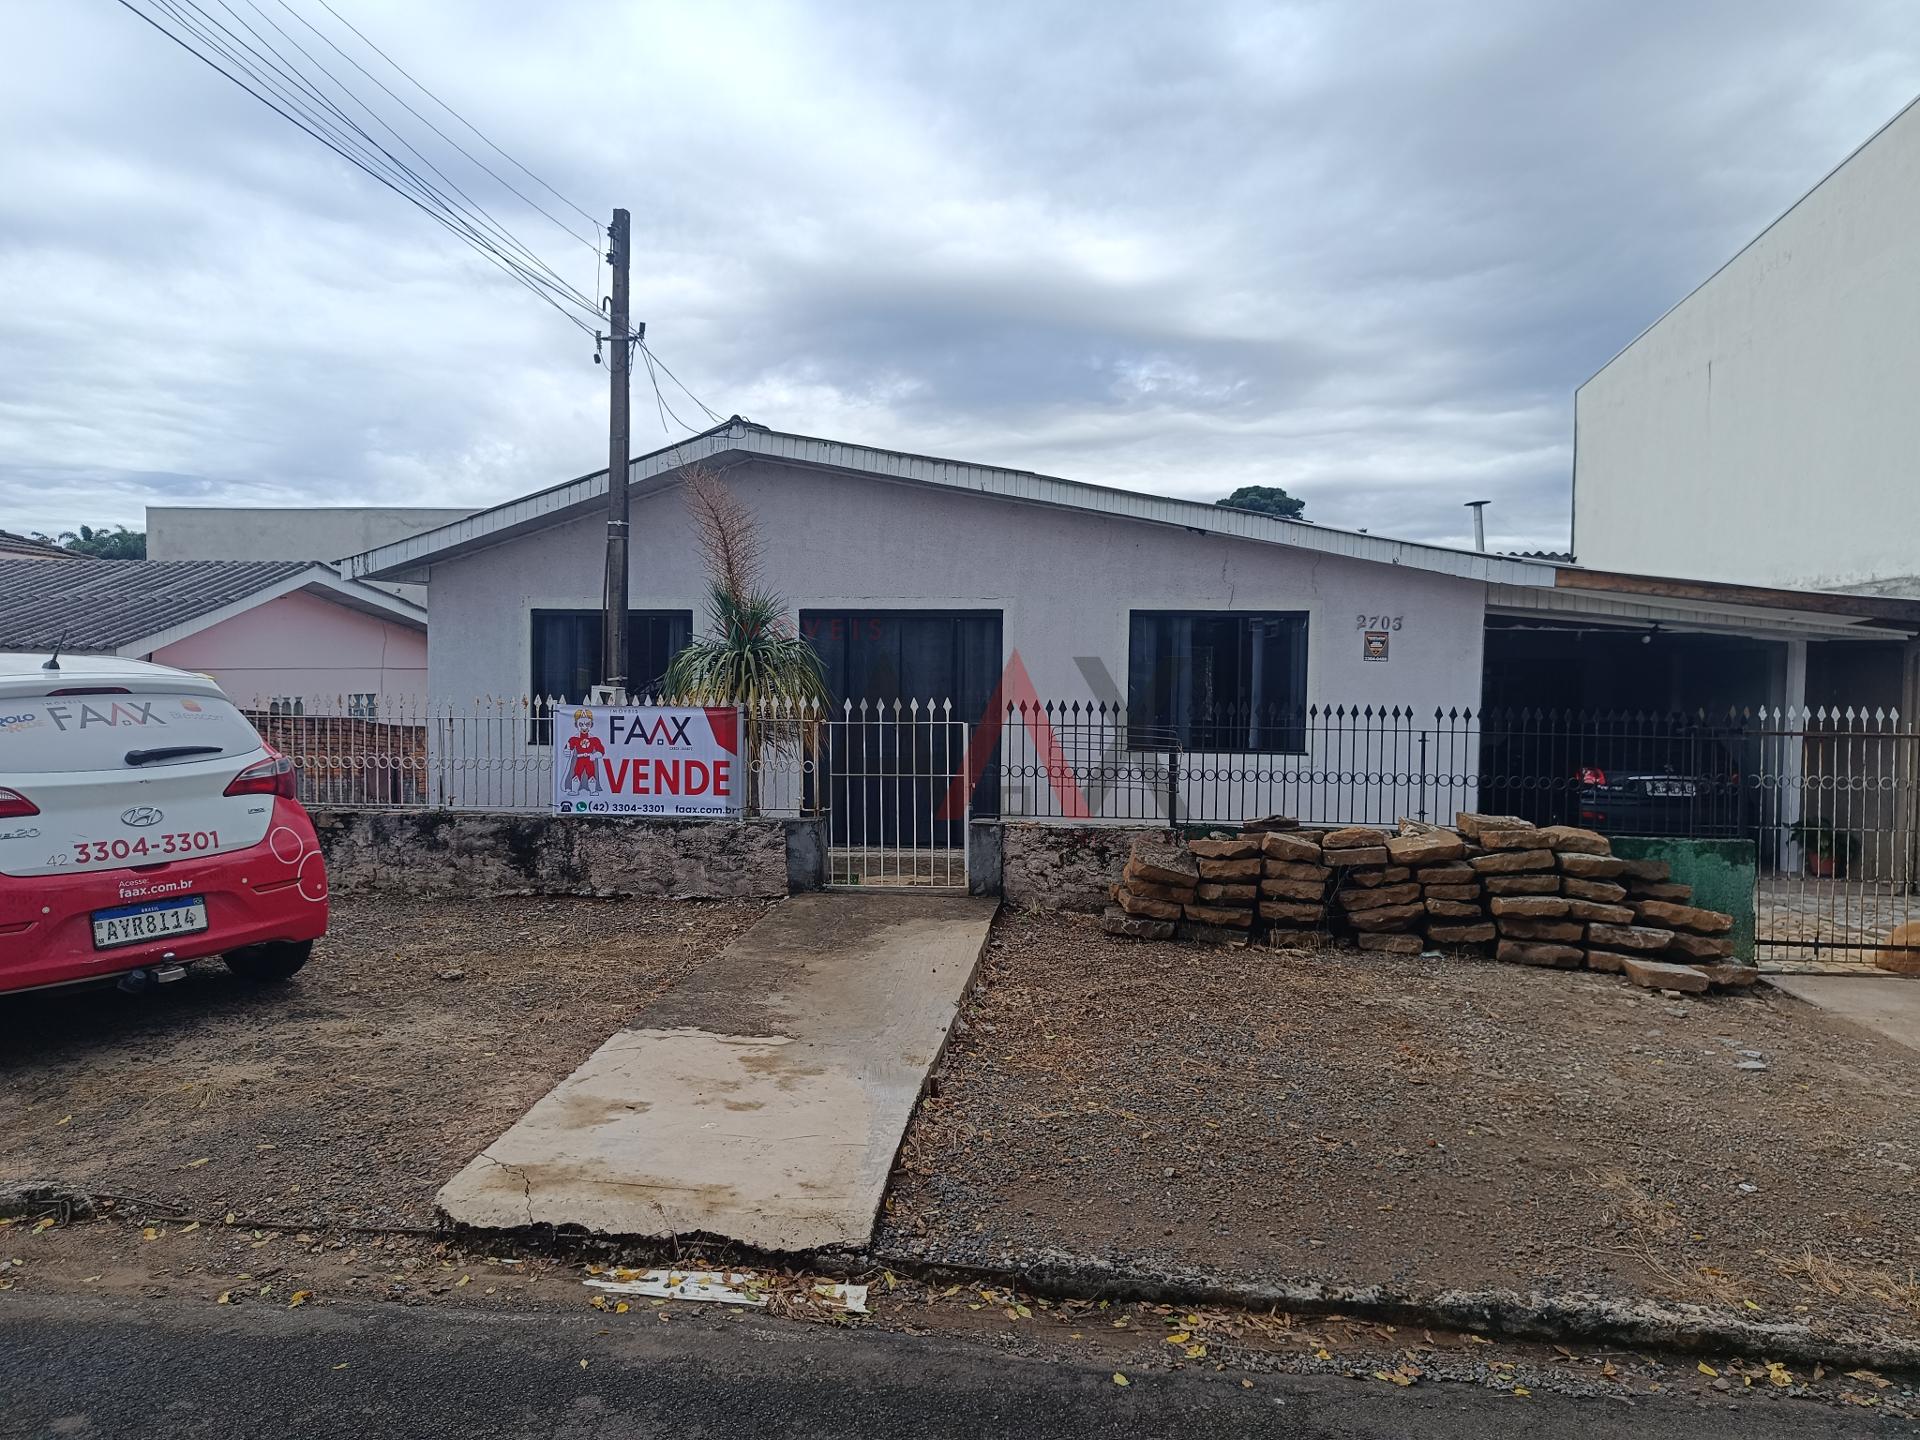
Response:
column 764, row 1098
column 1886, row 1004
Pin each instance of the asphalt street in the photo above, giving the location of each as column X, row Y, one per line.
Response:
column 77, row 1366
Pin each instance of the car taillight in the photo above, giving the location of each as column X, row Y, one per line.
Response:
column 13, row 805
column 1593, row 776
column 1594, row 817
column 272, row 776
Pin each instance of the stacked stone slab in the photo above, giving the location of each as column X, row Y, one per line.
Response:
column 1373, row 897
column 1160, row 880
column 1225, row 900
column 1450, row 890
column 1294, row 875
column 1559, row 896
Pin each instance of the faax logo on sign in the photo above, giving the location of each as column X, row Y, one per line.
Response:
column 647, row 760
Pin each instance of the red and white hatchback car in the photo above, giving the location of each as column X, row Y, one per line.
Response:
column 144, row 824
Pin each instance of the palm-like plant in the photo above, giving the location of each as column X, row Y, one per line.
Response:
column 751, row 656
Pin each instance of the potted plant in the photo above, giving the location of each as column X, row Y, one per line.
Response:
column 1828, row 850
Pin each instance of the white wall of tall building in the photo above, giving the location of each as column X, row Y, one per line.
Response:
column 1766, row 430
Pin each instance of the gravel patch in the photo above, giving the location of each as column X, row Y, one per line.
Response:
column 419, row 1031
column 1421, row 1124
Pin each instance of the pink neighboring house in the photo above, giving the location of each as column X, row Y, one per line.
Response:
column 289, row 635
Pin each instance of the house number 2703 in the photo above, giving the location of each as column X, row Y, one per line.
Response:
column 1377, row 622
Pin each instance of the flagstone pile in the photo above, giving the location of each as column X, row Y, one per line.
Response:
column 1552, row 895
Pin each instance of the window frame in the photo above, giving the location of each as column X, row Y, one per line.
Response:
column 1291, row 737
column 540, row 732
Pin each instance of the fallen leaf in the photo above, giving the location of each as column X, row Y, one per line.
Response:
column 228, row 1218
column 1478, row 1340
column 583, row 1364
column 1246, row 1384
column 189, row 1229
column 226, row 1298
column 1520, row 1390
column 1778, row 1374
column 1323, row 1354
column 463, row 1280
column 1194, row 1352
column 1120, row 1379
column 1706, row 1369
column 39, row 1226
column 196, row 1164
column 149, row 1233
column 1179, row 1337
column 299, row 1298
column 342, row 1365
column 1872, row 1379
column 61, row 1121
column 621, row 1307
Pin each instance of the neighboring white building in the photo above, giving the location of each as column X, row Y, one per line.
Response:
column 309, row 532
column 1765, row 430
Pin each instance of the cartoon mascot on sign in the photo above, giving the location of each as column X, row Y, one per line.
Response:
column 585, row 772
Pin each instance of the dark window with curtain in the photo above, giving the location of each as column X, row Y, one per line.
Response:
column 1223, row 680
column 566, row 652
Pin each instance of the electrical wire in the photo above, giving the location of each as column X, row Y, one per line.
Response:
column 485, row 219
column 340, row 148
column 463, row 120
column 277, row 81
column 654, row 359
column 591, row 242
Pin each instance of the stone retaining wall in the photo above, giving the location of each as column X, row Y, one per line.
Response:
column 462, row 853
column 1064, row 867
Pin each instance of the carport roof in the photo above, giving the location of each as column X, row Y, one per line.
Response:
column 737, row 439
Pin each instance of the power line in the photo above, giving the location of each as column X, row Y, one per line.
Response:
column 463, row 120
column 494, row 226
column 592, row 243
column 653, row 359
column 532, row 282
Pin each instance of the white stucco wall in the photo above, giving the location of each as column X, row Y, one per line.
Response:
column 1063, row 581
column 1765, row 430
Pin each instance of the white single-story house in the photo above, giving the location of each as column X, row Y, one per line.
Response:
column 1218, row 629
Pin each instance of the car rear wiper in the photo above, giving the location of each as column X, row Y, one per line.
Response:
column 170, row 752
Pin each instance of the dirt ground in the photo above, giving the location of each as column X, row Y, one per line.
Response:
column 1425, row 1124
column 419, row 1031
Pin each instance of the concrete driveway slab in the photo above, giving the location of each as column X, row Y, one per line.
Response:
column 1888, row 1004
column 762, row 1100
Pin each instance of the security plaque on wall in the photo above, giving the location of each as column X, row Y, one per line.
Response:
column 1373, row 645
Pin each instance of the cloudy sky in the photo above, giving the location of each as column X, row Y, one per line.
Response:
column 1362, row 250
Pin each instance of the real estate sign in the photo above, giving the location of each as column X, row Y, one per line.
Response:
column 647, row 760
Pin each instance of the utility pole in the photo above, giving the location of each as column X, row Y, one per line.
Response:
column 613, row 652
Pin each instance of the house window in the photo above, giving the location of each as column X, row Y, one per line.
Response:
column 287, row 705
column 566, row 652
column 1222, row 680
column 363, row 706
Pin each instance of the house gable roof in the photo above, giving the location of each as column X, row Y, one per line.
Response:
column 27, row 547
column 136, row 606
column 738, row 439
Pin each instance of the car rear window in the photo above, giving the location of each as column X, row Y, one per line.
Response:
column 95, row 732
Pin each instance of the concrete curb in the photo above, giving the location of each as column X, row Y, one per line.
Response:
column 1504, row 1313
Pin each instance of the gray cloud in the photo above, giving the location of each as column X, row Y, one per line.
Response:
column 1365, row 251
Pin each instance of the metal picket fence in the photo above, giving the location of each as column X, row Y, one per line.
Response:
column 1827, row 796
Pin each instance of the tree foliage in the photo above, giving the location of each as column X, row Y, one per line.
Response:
column 119, row 543
column 1266, row 500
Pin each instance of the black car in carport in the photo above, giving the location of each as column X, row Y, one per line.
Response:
column 1701, row 798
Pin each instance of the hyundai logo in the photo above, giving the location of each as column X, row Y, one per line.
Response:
column 141, row 815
